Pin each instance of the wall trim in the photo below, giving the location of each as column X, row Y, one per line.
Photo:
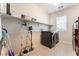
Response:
column 66, row 42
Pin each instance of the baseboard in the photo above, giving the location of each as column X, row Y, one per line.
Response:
column 66, row 42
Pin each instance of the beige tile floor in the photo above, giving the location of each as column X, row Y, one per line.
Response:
column 61, row 49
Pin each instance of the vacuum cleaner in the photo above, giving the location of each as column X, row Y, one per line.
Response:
column 30, row 30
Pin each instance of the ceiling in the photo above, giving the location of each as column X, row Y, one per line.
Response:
column 50, row 7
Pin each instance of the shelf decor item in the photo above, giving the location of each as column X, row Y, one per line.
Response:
column 33, row 19
column 22, row 16
column 28, row 17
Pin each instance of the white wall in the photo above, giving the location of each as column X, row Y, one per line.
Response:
column 14, row 28
column 14, row 32
column 72, row 14
column 38, row 27
column 31, row 10
column 17, row 34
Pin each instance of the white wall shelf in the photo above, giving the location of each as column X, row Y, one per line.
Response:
column 22, row 19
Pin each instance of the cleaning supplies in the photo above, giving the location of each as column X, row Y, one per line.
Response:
column 6, row 42
column 4, row 51
column 10, row 52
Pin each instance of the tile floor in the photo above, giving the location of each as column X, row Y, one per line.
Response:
column 61, row 49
